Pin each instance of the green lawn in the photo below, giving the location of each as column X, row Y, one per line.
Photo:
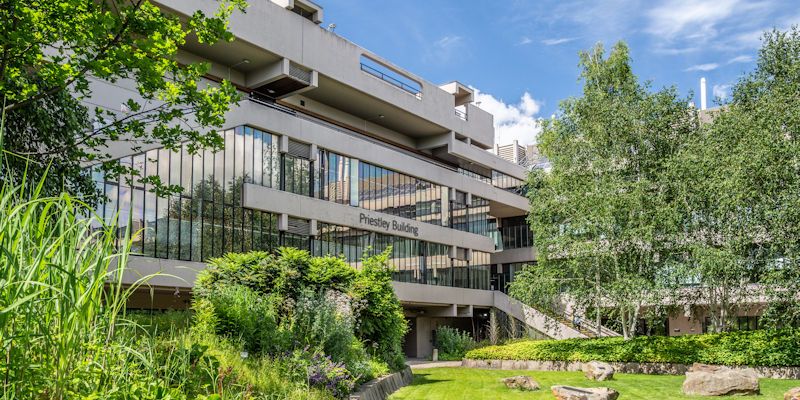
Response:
column 470, row 383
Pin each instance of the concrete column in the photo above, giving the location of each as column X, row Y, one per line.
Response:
column 312, row 228
column 283, row 144
column 283, row 222
column 314, row 153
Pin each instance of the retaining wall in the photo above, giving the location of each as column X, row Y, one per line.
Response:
column 381, row 388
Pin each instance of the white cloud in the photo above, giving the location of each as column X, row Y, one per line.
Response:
column 512, row 121
column 721, row 91
column 444, row 49
column 525, row 40
column 448, row 41
column 556, row 41
column 740, row 59
column 689, row 18
column 702, row 67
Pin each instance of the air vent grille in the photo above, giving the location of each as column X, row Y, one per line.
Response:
column 298, row 149
column 299, row 73
column 299, row 226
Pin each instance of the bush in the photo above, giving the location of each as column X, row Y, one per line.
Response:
column 367, row 315
column 752, row 348
column 321, row 371
column 452, row 343
column 382, row 324
column 325, row 321
column 241, row 313
column 309, row 309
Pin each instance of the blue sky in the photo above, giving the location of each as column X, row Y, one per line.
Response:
column 522, row 54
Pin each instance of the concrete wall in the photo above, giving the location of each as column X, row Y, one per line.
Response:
column 524, row 254
column 272, row 28
column 258, row 197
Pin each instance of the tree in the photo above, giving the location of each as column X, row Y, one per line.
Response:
column 599, row 214
column 738, row 186
column 53, row 52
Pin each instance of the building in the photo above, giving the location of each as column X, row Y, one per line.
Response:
column 514, row 153
column 335, row 150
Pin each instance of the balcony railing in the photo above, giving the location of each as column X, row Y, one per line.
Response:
column 391, row 80
column 461, row 114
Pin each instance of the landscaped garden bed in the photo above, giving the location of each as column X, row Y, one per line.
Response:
column 753, row 348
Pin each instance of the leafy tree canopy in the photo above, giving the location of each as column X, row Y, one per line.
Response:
column 53, row 52
column 599, row 213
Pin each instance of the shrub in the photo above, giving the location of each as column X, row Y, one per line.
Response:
column 752, row 348
column 256, row 270
column 241, row 313
column 324, row 320
column 452, row 343
column 330, row 272
column 382, row 324
column 368, row 315
column 321, row 371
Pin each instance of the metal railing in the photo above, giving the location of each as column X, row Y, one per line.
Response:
column 461, row 114
column 391, row 80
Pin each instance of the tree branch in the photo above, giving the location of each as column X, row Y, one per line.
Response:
column 83, row 71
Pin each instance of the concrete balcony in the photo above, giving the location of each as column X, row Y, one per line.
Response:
column 268, row 33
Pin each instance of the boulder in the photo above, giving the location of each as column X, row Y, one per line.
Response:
column 598, row 371
column 792, row 394
column 521, row 382
column 713, row 380
column 577, row 393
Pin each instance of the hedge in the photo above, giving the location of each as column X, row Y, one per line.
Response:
column 754, row 348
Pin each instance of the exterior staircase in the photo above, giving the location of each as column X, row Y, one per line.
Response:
column 555, row 327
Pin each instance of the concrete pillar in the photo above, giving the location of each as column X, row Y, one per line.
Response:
column 283, row 222
column 283, row 144
column 312, row 228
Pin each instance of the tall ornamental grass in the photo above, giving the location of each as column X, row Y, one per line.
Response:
column 59, row 295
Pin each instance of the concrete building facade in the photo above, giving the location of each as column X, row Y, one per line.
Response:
column 338, row 151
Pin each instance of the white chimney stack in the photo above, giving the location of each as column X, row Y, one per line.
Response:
column 702, row 93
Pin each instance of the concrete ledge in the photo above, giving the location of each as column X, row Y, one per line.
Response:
column 381, row 388
column 621, row 367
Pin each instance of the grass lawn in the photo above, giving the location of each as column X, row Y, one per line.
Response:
column 470, row 383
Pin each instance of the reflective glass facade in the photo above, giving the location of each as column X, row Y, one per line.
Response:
column 508, row 183
column 471, row 217
column 515, row 233
column 207, row 218
column 415, row 261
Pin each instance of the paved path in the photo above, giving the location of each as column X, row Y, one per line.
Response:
column 416, row 364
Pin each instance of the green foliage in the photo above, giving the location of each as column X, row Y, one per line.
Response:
column 382, row 324
column 753, row 348
column 58, row 301
column 598, row 215
column 243, row 314
column 737, row 186
column 255, row 270
column 452, row 343
column 292, row 303
column 325, row 320
column 64, row 333
column 330, row 272
column 53, row 54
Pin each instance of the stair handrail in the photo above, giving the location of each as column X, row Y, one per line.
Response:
column 534, row 318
